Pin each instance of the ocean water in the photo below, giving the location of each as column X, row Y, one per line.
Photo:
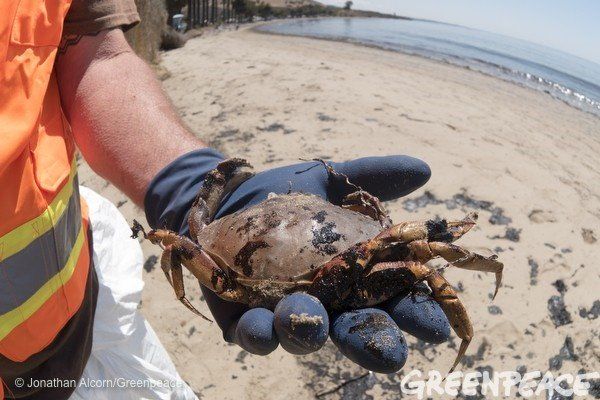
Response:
column 574, row 80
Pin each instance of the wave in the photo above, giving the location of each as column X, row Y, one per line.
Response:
column 556, row 82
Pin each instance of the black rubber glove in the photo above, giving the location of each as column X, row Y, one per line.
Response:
column 169, row 198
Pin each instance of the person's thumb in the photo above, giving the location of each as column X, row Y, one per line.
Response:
column 386, row 177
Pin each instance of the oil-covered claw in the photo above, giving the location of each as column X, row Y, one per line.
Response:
column 433, row 230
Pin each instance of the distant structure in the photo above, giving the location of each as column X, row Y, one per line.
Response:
column 206, row 12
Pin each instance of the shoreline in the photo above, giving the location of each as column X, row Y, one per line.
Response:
column 255, row 28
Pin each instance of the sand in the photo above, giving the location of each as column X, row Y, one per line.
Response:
column 275, row 99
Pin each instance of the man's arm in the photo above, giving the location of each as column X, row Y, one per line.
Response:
column 122, row 122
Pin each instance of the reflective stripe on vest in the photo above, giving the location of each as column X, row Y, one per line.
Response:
column 44, row 249
column 39, row 243
column 43, row 272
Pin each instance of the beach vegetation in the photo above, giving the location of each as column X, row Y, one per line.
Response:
column 245, row 10
column 264, row 10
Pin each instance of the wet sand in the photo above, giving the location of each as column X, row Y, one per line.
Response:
column 527, row 163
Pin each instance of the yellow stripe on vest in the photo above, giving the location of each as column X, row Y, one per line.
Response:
column 13, row 318
column 23, row 235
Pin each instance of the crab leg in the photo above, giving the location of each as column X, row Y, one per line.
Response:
column 197, row 261
column 171, row 266
column 384, row 281
column 228, row 175
column 357, row 199
column 333, row 284
column 459, row 257
column 332, row 281
column 445, row 296
column 361, row 254
column 431, row 230
column 367, row 204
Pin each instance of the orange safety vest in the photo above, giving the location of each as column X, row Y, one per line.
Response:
column 44, row 253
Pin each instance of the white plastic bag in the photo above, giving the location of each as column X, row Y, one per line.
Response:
column 127, row 359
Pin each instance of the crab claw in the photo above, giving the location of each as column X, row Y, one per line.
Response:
column 433, row 230
column 193, row 309
column 455, row 229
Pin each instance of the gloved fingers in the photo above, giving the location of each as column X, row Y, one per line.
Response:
column 386, row 177
column 255, row 333
column 419, row 315
column 251, row 329
column 370, row 338
column 308, row 177
column 301, row 323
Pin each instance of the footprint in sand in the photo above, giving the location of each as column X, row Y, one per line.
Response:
column 541, row 216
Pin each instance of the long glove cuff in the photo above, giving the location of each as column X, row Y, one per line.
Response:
column 173, row 190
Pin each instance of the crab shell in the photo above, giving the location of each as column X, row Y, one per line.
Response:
column 278, row 245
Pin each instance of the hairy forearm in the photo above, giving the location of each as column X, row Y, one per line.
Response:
column 122, row 122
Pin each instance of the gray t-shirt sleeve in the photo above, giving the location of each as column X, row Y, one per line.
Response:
column 87, row 17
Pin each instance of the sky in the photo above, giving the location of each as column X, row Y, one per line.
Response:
column 572, row 26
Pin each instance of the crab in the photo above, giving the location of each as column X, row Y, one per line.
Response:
column 348, row 256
